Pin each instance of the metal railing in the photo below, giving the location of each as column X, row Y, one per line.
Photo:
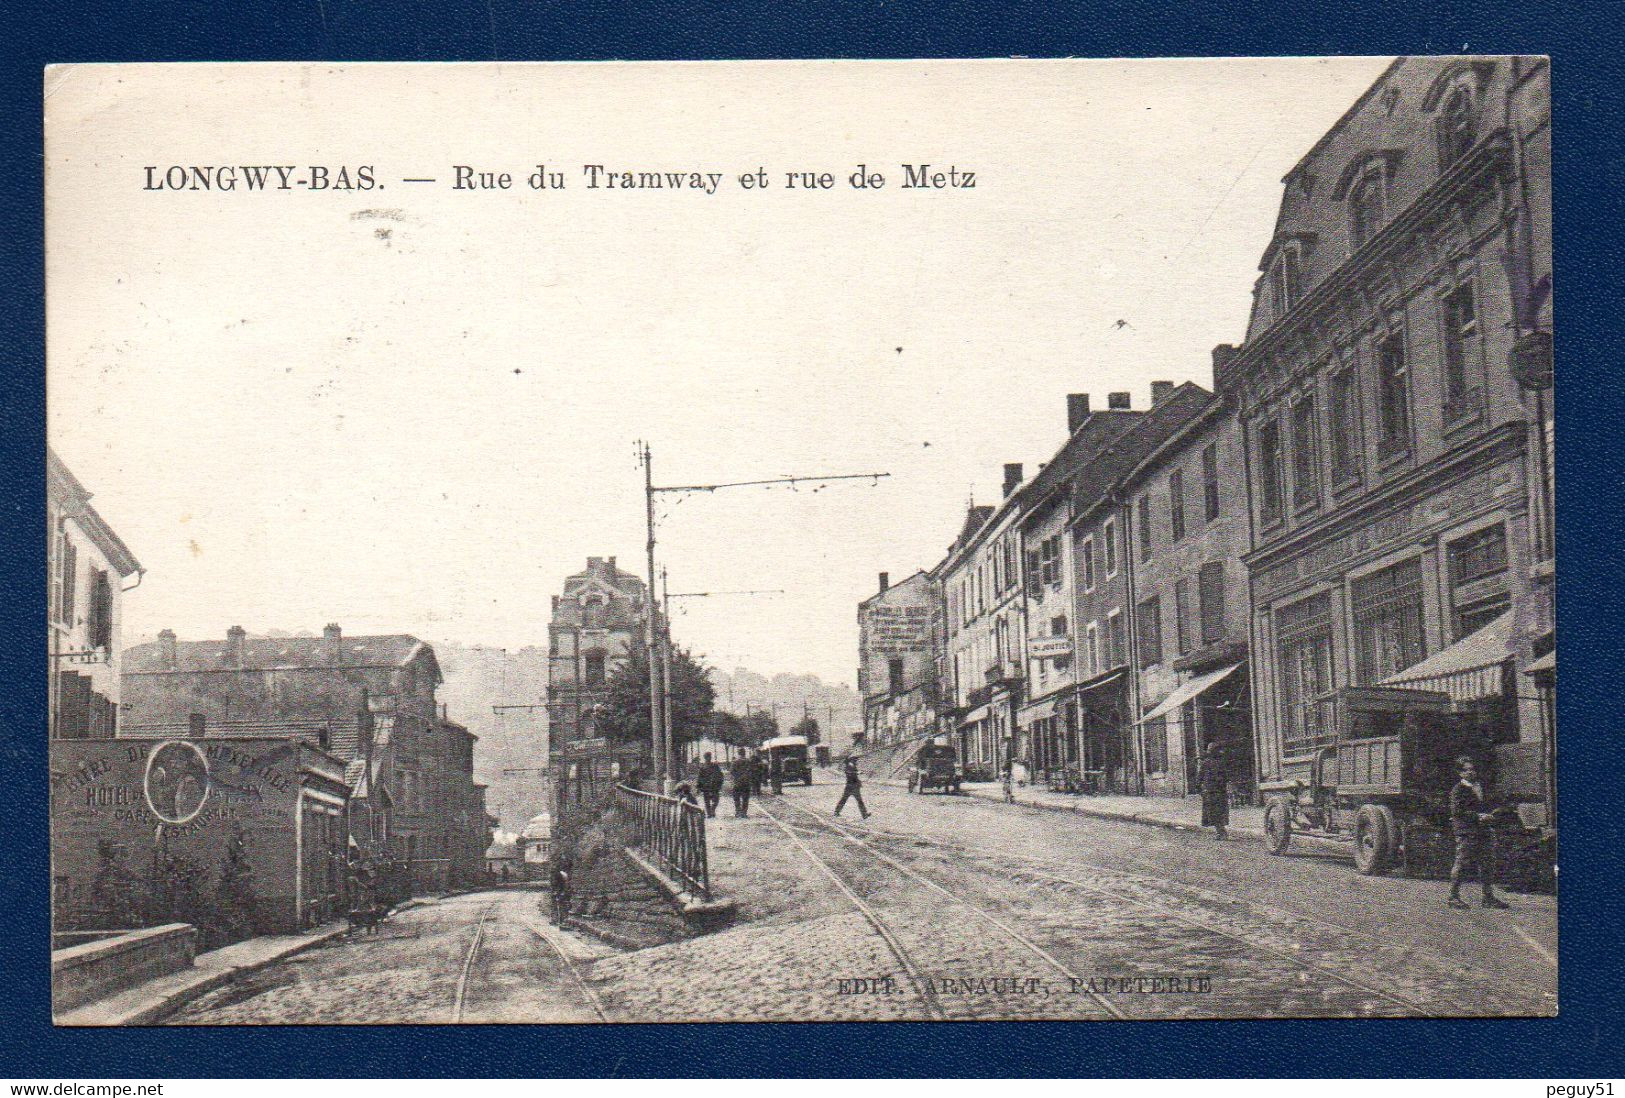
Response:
column 669, row 830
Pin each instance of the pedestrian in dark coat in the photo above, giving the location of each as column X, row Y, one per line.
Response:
column 853, row 788
column 1471, row 822
column 710, row 783
column 744, row 781
column 1215, row 784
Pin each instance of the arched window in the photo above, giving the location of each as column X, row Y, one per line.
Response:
column 1367, row 206
column 594, row 669
column 1457, row 125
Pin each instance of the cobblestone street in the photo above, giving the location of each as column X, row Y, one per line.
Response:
column 947, row 908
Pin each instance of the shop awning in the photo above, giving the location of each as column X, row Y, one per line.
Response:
column 1467, row 670
column 1187, row 690
column 1036, row 712
column 977, row 714
column 1548, row 662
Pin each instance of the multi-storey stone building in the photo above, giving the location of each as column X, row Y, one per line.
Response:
column 899, row 636
column 983, row 650
column 370, row 700
column 598, row 621
column 88, row 566
column 1390, row 396
column 1060, row 650
column 1109, row 539
column 1187, row 498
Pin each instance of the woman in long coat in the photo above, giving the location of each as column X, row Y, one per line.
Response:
column 1215, row 785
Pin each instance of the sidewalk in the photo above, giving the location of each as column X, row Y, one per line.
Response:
column 148, row 1003
column 1174, row 813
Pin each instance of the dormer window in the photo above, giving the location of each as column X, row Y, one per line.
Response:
column 1286, row 280
column 1368, row 206
column 1457, row 124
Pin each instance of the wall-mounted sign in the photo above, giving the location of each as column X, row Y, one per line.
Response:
column 176, row 782
column 1049, row 648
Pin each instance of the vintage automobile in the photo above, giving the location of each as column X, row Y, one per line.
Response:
column 789, row 755
column 936, row 767
column 1381, row 779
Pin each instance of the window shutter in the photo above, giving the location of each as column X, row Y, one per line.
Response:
column 70, row 573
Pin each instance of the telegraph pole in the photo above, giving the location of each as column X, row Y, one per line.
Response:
column 657, row 731
column 660, row 732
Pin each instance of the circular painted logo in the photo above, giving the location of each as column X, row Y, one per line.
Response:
column 177, row 781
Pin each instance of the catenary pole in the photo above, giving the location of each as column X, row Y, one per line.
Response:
column 657, row 736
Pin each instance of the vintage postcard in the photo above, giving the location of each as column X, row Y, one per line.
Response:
column 801, row 541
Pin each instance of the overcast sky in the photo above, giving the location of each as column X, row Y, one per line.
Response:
column 414, row 409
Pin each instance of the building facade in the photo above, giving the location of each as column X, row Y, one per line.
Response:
column 370, row 700
column 598, row 620
column 88, row 569
column 1061, row 650
column 239, row 836
column 899, row 637
column 984, row 631
column 1187, row 499
column 1109, row 539
column 1399, row 473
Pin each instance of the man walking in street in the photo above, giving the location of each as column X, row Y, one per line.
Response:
column 853, row 788
column 1215, row 785
column 710, row 783
column 744, row 778
column 1472, row 823
column 561, row 891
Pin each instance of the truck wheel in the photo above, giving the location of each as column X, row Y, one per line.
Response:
column 1373, row 839
column 1277, row 826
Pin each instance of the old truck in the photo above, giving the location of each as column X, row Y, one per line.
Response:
column 1380, row 778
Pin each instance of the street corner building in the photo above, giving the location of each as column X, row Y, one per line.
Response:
column 599, row 619
column 899, row 638
column 1392, row 393
column 367, row 702
column 234, row 836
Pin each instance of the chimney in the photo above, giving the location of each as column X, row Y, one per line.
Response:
column 236, row 638
column 1161, row 391
column 612, row 564
column 196, row 726
column 1117, row 402
column 885, row 581
column 1223, row 355
column 166, row 646
column 332, row 643
column 1077, row 410
column 1012, row 476
column 555, row 604
column 594, row 563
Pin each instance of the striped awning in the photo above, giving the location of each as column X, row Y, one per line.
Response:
column 1187, row 690
column 1472, row 668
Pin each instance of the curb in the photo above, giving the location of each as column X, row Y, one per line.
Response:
column 692, row 908
column 152, row 1013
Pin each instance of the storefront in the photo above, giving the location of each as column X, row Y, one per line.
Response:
column 1209, row 706
column 1427, row 594
column 237, row 836
column 1105, row 732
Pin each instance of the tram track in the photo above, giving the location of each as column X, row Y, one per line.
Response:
column 460, row 998
column 547, row 935
column 1105, row 1005
column 1442, row 1003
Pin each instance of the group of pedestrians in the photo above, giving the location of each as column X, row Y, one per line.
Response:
column 746, row 776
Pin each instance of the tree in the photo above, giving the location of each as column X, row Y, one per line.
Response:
column 759, row 728
column 808, row 727
column 625, row 713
